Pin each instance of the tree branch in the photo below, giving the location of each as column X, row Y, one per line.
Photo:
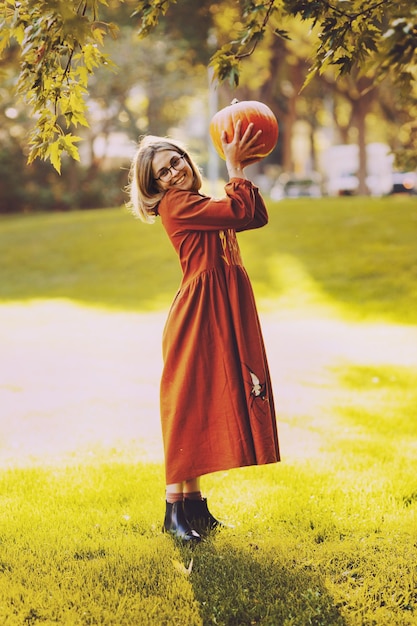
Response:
column 263, row 26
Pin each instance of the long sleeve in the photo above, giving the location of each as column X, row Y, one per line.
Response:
column 242, row 206
column 260, row 217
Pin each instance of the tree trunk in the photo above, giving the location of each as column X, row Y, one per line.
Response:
column 361, row 94
column 359, row 115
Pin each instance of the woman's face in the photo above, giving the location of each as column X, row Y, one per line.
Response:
column 171, row 169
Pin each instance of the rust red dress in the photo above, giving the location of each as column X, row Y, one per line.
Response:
column 217, row 408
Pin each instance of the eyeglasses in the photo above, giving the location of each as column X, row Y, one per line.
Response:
column 176, row 163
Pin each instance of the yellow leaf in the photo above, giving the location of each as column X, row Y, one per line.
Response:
column 98, row 34
column 113, row 30
column 67, row 144
column 83, row 75
column 19, row 33
column 54, row 152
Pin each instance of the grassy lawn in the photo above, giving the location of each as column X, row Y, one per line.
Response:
column 326, row 538
column 354, row 256
column 324, row 542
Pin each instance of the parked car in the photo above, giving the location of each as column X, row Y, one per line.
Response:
column 340, row 165
column 294, row 186
column 343, row 185
column 404, row 182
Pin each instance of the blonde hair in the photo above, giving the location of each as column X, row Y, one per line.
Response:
column 143, row 190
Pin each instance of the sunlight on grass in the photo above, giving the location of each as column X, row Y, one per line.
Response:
column 353, row 256
column 299, row 292
column 327, row 537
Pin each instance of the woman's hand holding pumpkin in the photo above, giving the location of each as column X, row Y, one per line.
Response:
column 240, row 150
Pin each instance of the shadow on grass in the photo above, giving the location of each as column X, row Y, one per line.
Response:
column 242, row 586
column 307, row 255
column 385, row 401
column 311, row 247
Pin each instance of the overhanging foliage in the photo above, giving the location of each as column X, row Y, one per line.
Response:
column 61, row 45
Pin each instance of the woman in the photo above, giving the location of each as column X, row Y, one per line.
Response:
column 217, row 409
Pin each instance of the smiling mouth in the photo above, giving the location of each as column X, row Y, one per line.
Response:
column 180, row 180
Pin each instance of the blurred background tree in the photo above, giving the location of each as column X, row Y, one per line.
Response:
column 333, row 72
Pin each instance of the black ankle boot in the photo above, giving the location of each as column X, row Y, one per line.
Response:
column 197, row 513
column 177, row 525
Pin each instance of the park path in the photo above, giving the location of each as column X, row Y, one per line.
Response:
column 76, row 382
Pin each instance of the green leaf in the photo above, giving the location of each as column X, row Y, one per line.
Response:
column 283, row 34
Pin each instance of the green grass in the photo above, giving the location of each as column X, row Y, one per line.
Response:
column 355, row 256
column 102, row 258
column 326, row 541
column 329, row 539
column 352, row 256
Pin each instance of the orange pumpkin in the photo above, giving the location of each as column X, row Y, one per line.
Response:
column 247, row 111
